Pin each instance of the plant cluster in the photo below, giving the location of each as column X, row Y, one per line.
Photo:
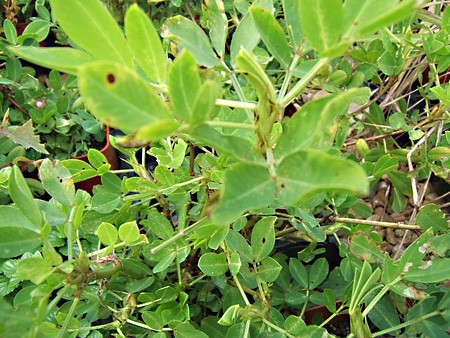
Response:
column 249, row 128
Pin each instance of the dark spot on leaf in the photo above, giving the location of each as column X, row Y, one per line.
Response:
column 263, row 240
column 111, row 78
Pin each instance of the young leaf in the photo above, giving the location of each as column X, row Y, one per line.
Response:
column 263, row 238
column 10, row 31
column 89, row 24
column 246, row 187
column 66, row 60
column 213, row 264
column 188, row 35
column 107, row 234
column 272, row 35
column 305, row 173
column 184, row 84
column 322, row 22
column 129, row 232
column 22, row 197
column 17, row 234
column 145, row 44
column 109, row 90
column 57, row 181
column 218, row 24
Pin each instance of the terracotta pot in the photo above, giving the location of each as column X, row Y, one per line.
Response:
column 318, row 314
column 110, row 154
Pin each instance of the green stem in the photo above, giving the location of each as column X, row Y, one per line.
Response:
column 179, row 235
column 116, row 246
column 241, row 290
column 405, row 324
column 182, row 184
column 225, row 124
column 301, row 85
column 144, row 326
column 247, row 328
column 236, row 104
column 69, row 235
column 288, row 77
column 279, row 329
column 304, row 305
column 57, row 298
column 115, row 324
column 337, row 313
column 380, row 294
column 74, row 305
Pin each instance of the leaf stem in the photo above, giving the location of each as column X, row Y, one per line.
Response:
column 288, row 77
column 301, row 85
column 226, row 124
column 179, row 235
column 380, row 294
column 236, row 104
column 279, row 329
column 405, row 324
column 377, row 223
column 74, row 305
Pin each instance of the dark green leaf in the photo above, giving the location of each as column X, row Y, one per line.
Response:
column 263, row 238
column 213, row 264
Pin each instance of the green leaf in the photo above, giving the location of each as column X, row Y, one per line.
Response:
column 322, row 22
column 430, row 216
column 384, row 314
column 299, row 272
column 391, row 63
column 366, row 17
column 190, row 36
column 294, row 325
column 433, row 271
column 237, row 242
column 272, row 35
column 385, row 164
column 145, row 44
column 10, row 31
column 213, row 264
column 38, row 29
column 57, row 182
column 263, row 238
column 269, row 270
column 159, row 225
column 109, row 90
column 246, row 187
column 17, row 234
column 129, row 232
column 23, row 198
column 205, row 108
column 217, row 23
column 164, row 263
column 35, row 269
column 107, row 234
column 96, row 158
column 184, row 85
column 186, row 330
column 366, row 249
column 314, row 126
column 24, row 136
column 306, row 173
column 235, row 263
column 245, row 36
column 89, row 24
column 318, row 273
column 293, row 21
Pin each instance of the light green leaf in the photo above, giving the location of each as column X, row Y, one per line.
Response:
column 107, row 234
column 314, row 126
column 38, row 29
column 217, row 23
column 263, row 238
column 66, row 60
column 10, row 31
column 433, row 271
column 293, row 21
column 184, row 85
column 213, row 264
column 21, row 195
column 190, row 36
column 385, row 164
column 34, row 269
column 145, row 44
column 430, row 216
column 246, row 187
column 366, row 17
column 17, row 234
column 119, row 97
column 57, row 181
column 205, row 107
column 129, row 232
column 235, row 263
column 323, row 23
column 272, row 35
column 269, row 270
column 89, row 24
column 306, row 173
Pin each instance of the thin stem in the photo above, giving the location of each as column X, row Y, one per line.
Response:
column 380, row 294
column 116, row 246
column 144, row 326
column 241, row 290
column 236, row 104
column 69, row 235
column 326, row 321
column 182, row 184
column 279, row 329
column 405, row 324
column 377, row 223
column 226, row 124
column 57, row 298
column 288, row 77
column 301, row 85
column 247, row 328
column 178, row 236
column 74, row 305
